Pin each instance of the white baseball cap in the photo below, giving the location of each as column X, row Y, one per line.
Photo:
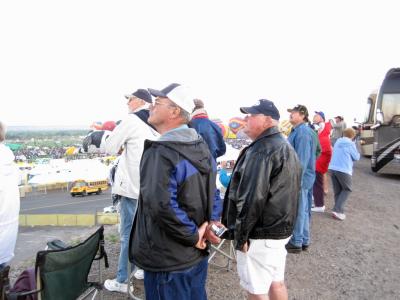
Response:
column 179, row 94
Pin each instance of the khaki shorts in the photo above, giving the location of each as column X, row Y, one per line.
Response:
column 263, row 264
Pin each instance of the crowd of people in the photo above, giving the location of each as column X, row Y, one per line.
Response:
column 31, row 154
column 171, row 209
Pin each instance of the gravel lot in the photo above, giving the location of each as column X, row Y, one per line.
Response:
column 354, row 259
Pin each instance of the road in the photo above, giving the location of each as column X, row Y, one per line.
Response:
column 61, row 202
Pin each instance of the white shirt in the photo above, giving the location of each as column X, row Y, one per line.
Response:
column 9, row 204
column 130, row 135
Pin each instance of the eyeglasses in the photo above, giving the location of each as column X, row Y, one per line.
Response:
column 158, row 102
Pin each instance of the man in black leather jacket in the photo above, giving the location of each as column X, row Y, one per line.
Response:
column 260, row 204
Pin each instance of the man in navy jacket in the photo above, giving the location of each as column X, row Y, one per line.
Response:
column 176, row 202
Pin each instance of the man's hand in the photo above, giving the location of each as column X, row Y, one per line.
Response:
column 201, row 244
column 245, row 248
column 210, row 235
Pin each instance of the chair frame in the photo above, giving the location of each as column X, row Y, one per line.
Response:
column 231, row 256
column 93, row 287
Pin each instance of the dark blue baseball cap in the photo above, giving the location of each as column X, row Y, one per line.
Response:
column 263, row 107
column 321, row 114
column 141, row 94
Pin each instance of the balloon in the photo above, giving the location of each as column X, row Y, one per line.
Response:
column 70, row 151
column 235, row 124
column 96, row 125
column 285, row 127
column 224, row 129
column 231, row 135
column 109, row 125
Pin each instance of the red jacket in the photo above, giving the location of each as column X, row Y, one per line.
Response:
column 326, row 149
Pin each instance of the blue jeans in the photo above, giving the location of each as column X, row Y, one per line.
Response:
column 301, row 232
column 188, row 284
column 127, row 213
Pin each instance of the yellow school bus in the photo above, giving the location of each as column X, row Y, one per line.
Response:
column 83, row 187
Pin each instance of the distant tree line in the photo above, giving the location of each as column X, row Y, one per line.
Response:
column 42, row 134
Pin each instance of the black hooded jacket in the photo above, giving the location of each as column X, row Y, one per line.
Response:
column 262, row 196
column 177, row 190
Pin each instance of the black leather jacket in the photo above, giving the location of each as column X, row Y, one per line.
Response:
column 262, row 196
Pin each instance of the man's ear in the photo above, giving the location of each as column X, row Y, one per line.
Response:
column 267, row 121
column 176, row 113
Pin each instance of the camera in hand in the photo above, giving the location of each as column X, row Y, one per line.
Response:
column 218, row 231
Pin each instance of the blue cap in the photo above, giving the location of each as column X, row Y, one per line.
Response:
column 263, row 107
column 141, row 94
column 321, row 114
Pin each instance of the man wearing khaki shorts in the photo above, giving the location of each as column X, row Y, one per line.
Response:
column 260, row 205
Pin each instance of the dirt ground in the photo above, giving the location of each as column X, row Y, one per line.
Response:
column 354, row 259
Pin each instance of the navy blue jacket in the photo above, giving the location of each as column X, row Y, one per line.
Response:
column 211, row 134
column 177, row 195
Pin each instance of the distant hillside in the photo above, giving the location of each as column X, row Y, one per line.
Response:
column 46, row 128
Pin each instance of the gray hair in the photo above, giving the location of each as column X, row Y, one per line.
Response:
column 2, row 131
column 185, row 116
column 274, row 122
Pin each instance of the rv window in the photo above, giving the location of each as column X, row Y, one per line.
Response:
column 367, row 112
column 390, row 106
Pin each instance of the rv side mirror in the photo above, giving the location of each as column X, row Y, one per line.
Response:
column 379, row 116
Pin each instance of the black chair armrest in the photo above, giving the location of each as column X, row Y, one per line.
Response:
column 15, row 296
column 103, row 252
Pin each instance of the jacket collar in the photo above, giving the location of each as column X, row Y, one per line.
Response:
column 302, row 124
column 267, row 132
column 200, row 113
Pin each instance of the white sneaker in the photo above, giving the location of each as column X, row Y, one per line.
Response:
column 318, row 208
column 338, row 216
column 114, row 286
column 139, row 274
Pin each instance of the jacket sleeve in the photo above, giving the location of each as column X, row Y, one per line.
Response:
column 217, row 206
column 303, row 150
column 221, row 147
column 164, row 207
column 251, row 194
column 117, row 138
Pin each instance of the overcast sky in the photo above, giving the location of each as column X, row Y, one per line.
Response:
column 71, row 62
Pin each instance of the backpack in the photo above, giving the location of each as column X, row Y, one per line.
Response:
column 26, row 281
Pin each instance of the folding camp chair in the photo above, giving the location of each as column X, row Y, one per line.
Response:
column 229, row 256
column 63, row 274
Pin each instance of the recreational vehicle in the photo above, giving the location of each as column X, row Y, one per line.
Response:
column 366, row 139
column 386, row 130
